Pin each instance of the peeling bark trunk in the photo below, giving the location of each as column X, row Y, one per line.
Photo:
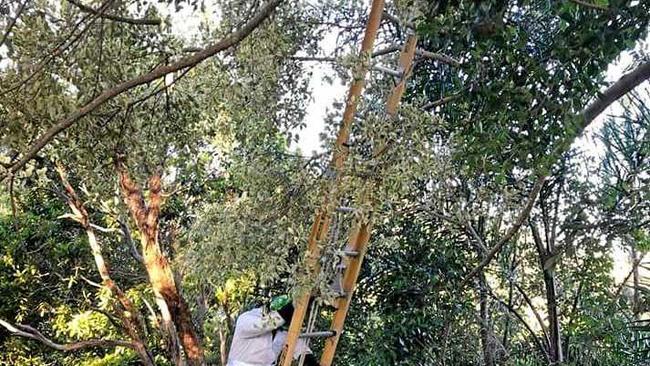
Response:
column 161, row 276
column 169, row 330
column 130, row 316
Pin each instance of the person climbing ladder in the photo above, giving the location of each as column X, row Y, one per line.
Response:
column 260, row 335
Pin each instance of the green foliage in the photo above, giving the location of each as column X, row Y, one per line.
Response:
column 239, row 204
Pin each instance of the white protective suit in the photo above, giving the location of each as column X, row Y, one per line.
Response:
column 254, row 343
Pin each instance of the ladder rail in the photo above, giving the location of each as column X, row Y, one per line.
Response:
column 360, row 236
column 341, row 149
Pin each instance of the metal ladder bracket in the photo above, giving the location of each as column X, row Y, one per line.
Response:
column 319, row 334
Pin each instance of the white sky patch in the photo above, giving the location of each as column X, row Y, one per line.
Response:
column 324, row 95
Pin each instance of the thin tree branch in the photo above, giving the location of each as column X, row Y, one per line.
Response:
column 108, row 94
column 535, row 312
column 441, row 101
column 128, row 240
column 116, row 18
column 13, row 21
column 379, row 68
column 590, row 5
column 620, row 287
column 90, row 282
column 103, row 229
column 539, row 344
column 521, row 218
column 438, row 57
column 385, row 51
column 479, row 241
column 623, row 86
column 60, row 48
column 29, row 332
column 397, row 21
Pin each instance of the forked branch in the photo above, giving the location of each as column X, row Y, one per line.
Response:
column 26, row 331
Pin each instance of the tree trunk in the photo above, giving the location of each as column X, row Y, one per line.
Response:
column 223, row 346
column 555, row 335
column 636, row 299
column 130, row 316
column 171, row 336
column 161, row 276
column 555, row 349
column 487, row 344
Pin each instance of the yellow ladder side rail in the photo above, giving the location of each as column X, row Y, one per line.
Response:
column 360, row 235
column 323, row 217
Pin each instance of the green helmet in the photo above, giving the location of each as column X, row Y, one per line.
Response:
column 279, row 302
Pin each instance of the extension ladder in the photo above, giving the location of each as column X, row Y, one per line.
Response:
column 361, row 228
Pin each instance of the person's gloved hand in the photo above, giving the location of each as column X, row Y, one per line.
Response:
column 286, row 312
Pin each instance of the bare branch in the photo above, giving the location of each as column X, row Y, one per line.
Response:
column 128, row 240
column 521, row 218
column 620, row 287
column 441, row 101
column 108, row 94
column 390, row 49
column 590, row 5
column 116, row 18
column 90, row 282
column 13, row 21
column 539, row 344
column 397, row 21
column 479, row 241
column 623, row 86
column 540, row 321
column 29, row 332
column 103, row 229
column 438, row 57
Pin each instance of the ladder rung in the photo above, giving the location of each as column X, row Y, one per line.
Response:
column 322, row 334
column 345, row 209
column 351, row 253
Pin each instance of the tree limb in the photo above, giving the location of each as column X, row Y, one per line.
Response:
column 540, row 321
column 29, row 332
column 128, row 240
column 395, row 20
column 623, row 86
column 12, row 23
column 390, row 49
column 590, row 5
column 108, row 94
column 539, row 344
column 441, row 101
column 521, row 218
column 116, row 18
